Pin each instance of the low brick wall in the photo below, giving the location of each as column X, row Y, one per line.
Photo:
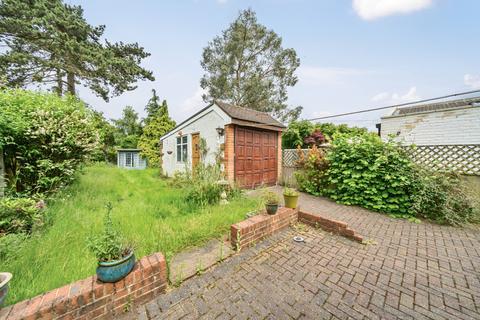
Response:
column 92, row 299
column 330, row 225
column 253, row 229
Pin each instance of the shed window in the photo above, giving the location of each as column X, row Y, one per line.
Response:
column 129, row 160
column 182, row 151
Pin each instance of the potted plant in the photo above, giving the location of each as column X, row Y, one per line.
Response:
column 5, row 277
column 115, row 258
column 271, row 201
column 290, row 196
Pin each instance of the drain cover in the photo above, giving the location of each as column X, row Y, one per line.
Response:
column 298, row 239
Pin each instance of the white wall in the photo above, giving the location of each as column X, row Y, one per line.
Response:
column 205, row 124
column 459, row 126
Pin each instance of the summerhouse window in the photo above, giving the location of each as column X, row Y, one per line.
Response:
column 129, row 162
column 182, row 151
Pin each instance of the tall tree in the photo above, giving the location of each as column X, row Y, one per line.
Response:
column 153, row 106
column 158, row 123
column 129, row 128
column 248, row 67
column 50, row 43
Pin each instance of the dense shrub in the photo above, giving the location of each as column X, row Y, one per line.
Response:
column 44, row 138
column 316, row 138
column 305, row 133
column 363, row 170
column 443, row 197
column 20, row 215
column 311, row 177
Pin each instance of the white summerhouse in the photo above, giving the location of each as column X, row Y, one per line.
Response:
column 130, row 159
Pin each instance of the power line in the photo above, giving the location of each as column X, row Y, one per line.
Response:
column 396, row 105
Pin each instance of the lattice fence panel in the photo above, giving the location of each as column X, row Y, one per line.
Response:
column 463, row 159
column 291, row 156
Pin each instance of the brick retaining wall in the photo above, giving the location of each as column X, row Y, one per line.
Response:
column 253, row 229
column 330, row 225
column 92, row 299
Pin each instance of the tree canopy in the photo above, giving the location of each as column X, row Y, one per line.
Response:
column 51, row 44
column 153, row 107
column 247, row 66
column 128, row 128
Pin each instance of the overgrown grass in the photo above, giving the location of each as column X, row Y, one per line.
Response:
column 146, row 210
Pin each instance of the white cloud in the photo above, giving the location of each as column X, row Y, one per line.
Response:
column 396, row 98
column 381, row 96
column 222, row 1
column 326, row 75
column 193, row 103
column 472, row 80
column 373, row 9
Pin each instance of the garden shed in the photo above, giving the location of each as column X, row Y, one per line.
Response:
column 247, row 141
column 130, row 159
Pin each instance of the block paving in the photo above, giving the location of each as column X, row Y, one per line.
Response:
column 403, row 270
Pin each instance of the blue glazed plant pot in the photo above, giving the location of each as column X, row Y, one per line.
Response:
column 5, row 277
column 113, row 271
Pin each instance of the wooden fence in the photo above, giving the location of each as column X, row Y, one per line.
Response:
column 463, row 159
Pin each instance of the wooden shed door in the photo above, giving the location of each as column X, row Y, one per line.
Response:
column 255, row 157
column 195, row 149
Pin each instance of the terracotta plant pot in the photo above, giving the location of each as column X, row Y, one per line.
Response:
column 271, row 208
column 114, row 271
column 290, row 201
column 5, row 277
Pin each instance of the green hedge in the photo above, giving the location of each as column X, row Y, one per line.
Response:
column 44, row 138
column 363, row 170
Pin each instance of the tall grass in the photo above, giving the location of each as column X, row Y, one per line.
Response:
column 146, row 210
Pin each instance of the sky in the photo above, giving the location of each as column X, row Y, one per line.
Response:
column 355, row 54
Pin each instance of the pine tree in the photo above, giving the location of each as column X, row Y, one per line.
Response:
column 247, row 66
column 153, row 106
column 50, row 43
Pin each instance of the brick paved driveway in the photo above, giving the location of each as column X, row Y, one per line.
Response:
column 414, row 271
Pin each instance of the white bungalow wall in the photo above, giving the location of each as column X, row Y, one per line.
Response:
column 205, row 124
column 459, row 126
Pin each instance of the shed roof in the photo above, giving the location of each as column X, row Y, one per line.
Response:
column 249, row 115
column 438, row 106
column 239, row 115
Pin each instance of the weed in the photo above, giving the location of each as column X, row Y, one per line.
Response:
column 35, row 263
